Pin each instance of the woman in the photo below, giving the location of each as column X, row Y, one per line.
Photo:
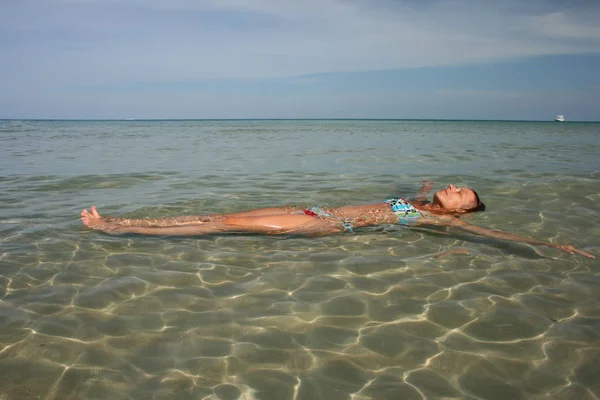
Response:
column 447, row 205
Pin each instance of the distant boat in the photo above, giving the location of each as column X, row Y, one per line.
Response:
column 559, row 118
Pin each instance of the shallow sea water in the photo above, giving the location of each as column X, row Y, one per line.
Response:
column 383, row 313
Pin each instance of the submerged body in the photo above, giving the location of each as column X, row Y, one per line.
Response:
column 447, row 205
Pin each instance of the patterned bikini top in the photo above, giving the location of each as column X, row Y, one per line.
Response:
column 407, row 214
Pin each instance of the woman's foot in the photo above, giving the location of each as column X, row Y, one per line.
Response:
column 93, row 220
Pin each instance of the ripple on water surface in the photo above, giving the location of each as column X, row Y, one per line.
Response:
column 385, row 313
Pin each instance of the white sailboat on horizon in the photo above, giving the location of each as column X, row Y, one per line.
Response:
column 559, row 118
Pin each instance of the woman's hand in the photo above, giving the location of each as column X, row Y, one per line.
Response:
column 573, row 250
column 425, row 189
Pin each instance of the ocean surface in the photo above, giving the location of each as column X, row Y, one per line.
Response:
column 387, row 312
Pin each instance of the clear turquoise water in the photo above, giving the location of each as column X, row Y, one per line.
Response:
column 384, row 313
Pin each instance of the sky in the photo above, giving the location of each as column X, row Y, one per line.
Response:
column 405, row 59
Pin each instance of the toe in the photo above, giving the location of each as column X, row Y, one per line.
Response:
column 95, row 212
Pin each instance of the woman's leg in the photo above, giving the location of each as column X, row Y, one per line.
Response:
column 183, row 220
column 267, row 211
column 266, row 224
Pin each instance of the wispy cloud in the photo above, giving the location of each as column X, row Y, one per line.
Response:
column 220, row 58
column 498, row 94
column 112, row 41
column 560, row 25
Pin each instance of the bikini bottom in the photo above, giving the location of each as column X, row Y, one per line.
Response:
column 319, row 212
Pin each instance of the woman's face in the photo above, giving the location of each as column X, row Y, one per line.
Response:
column 455, row 198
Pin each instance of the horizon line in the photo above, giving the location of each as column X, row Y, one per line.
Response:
column 295, row 119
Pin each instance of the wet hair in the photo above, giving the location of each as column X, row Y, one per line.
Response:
column 479, row 206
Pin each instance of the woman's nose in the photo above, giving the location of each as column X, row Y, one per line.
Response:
column 451, row 187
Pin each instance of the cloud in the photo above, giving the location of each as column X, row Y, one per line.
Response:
column 497, row 94
column 559, row 25
column 73, row 42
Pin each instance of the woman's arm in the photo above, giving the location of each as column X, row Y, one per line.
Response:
column 496, row 234
column 424, row 191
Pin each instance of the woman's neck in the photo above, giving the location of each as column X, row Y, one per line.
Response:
column 434, row 208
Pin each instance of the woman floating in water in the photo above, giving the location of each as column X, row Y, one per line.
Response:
column 447, row 206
